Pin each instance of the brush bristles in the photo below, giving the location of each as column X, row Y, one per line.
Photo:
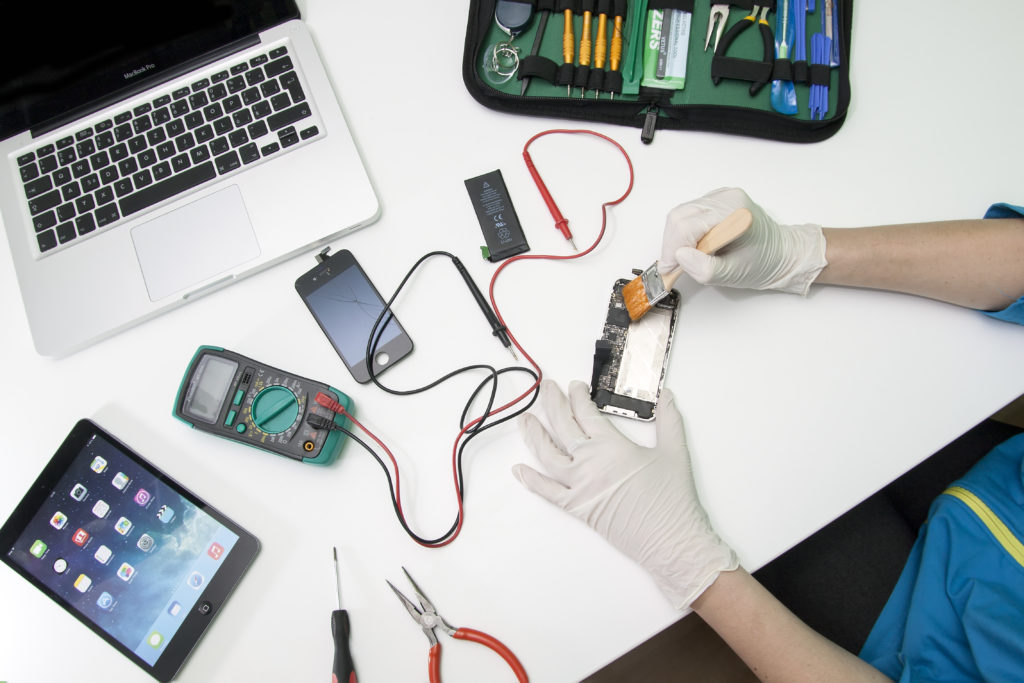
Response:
column 634, row 296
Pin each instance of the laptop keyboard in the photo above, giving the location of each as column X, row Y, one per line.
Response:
column 101, row 174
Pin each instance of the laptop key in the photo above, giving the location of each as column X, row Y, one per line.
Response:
column 249, row 153
column 48, row 164
column 142, row 179
column 44, row 221
column 29, row 172
column 38, row 186
column 161, row 171
column 85, row 223
column 288, row 116
column 25, row 158
column 47, row 240
column 278, row 66
column 61, row 176
column 227, row 162
column 106, row 214
column 176, row 184
column 66, row 212
column 66, row 232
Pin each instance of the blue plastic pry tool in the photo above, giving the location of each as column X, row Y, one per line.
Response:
column 783, row 94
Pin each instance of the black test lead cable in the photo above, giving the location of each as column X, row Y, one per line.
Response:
column 469, row 428
column 478, row 425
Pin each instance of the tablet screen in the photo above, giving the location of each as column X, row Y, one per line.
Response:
column 125, row 548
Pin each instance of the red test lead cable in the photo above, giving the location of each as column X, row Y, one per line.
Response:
column 546, row 195
column 561, row 222
column 563, row 226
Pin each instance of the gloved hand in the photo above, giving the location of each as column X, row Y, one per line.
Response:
column 769, row 256
column 642, row 500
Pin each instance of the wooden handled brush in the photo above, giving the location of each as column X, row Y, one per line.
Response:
column 649, row 288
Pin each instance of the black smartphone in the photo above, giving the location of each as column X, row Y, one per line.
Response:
column 346, row 305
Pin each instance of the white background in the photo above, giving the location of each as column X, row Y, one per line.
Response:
column 796, row 408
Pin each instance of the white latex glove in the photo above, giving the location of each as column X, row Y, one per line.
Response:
column 642, row 500
column 769, row 256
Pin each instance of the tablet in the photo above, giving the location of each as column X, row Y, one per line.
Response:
column 127, row 550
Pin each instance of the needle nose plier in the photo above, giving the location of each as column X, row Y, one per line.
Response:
column 757, row 72
column 429, row 619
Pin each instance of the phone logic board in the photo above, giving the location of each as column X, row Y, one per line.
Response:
column 630, row 357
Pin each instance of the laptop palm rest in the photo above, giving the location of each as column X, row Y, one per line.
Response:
column 186, row 246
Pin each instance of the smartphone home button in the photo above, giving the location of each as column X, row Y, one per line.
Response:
column 205, row 608
column 382, row 358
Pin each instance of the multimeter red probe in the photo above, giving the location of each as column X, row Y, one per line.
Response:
column 476, row 424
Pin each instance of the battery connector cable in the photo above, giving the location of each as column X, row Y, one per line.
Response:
column 491, row 416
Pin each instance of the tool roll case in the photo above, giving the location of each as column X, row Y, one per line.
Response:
column 654, row 70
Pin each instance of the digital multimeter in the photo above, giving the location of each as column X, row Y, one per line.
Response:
column 230, row 395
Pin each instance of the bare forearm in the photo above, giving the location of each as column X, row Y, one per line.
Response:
column 770, row 639
column 973, row 263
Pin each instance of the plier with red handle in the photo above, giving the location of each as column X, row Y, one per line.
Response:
column 429, row 619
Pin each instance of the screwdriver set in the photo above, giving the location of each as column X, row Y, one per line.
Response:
column 777, row 69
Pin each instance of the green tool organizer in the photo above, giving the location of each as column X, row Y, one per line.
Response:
column 701, row 105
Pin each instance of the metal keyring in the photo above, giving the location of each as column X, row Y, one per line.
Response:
column 502, row 61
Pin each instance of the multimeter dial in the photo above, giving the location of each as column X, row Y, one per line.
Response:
column 275, row 410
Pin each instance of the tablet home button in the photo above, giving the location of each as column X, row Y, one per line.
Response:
column 205, row 607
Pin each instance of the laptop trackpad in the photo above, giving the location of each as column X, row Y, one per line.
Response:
column 188, row 245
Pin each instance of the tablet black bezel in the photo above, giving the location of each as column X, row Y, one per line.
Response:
column 217, row 589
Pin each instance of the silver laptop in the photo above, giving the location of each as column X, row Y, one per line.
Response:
column 150, row 157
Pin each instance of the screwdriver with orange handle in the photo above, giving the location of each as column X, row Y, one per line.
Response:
column 615, row 51
column 586, row 44
column 601, row 45
column 344, row 670
column 568, row 43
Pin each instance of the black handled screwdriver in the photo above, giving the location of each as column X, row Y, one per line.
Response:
column 344, row 670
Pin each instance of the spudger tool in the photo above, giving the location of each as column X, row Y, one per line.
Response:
column 650, row 287
column 344, row 670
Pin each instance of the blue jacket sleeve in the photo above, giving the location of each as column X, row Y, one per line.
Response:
column 1014, row 313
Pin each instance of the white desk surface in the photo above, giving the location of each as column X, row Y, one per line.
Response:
column 796, row 409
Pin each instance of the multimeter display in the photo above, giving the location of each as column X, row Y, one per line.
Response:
column 232, row 396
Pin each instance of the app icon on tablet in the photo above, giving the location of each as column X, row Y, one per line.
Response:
column 98, row 465
column 38, row 548
column 78, row 492
column 103, row 554
column 59, row 520
column 165, row 514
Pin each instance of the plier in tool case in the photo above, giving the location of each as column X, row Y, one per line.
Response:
column 757, row 72
column 429, row 619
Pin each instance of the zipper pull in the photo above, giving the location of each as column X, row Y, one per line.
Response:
column 650, row 124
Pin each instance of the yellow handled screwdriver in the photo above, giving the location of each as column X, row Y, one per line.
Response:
column 568, row 43
column 586, row 43
column 615, row 53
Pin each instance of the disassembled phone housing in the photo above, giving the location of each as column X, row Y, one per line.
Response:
column 630, row 358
